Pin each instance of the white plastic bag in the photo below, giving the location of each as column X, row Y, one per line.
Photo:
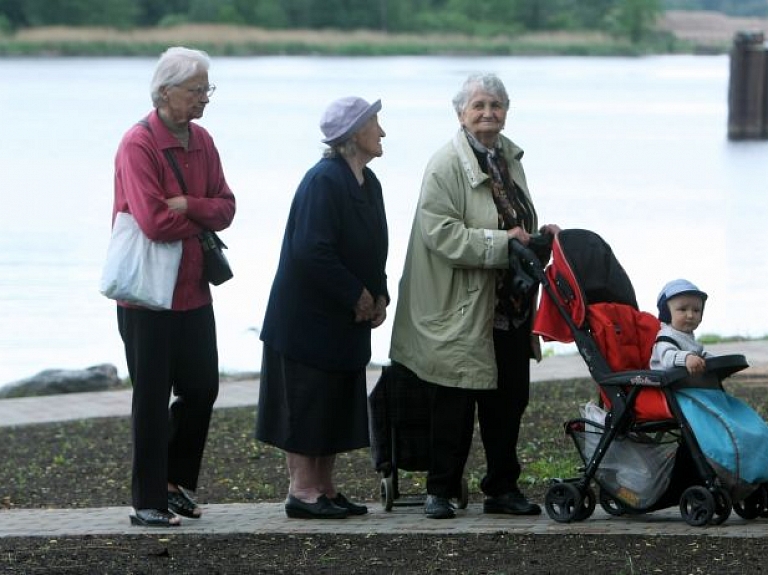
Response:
column 636, row 472
column 634, row 469
column 592, row 412
column 138, row 270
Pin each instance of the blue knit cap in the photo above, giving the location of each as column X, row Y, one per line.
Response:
column 673, row 289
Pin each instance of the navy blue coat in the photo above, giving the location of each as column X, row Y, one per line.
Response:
column 335, row 244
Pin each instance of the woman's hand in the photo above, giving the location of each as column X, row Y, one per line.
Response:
column 364, row 308
column 552, row 229
column 380, row 312
column 177, row 204
column 519, row 234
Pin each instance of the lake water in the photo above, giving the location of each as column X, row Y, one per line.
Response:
column 634, row 149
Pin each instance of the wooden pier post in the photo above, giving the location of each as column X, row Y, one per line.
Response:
column 748, row 87
column 765, row 91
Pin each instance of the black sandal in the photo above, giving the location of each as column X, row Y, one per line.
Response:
column 180, row 502
column 154, row 518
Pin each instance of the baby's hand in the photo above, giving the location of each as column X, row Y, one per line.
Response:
column 695, row 364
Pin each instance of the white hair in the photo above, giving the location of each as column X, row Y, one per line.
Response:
column 346, row 149
column 176, row 65
column 484, row 81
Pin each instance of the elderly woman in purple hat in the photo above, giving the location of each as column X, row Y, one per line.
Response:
column 329, row 291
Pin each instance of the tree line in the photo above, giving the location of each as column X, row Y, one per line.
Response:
column 754, row 8
column 628, row 18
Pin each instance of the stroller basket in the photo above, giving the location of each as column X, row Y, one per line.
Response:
column 635, row 469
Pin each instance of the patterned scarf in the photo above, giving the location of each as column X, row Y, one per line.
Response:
column 513, row 210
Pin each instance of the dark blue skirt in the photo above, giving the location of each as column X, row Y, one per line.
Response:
column 310, row 411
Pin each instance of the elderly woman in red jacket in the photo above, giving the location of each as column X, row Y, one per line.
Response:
column 329, row 292
column 172, row 350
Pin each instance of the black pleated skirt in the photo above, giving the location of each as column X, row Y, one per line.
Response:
column 310, row 411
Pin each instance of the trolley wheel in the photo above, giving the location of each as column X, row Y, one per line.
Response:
column 611, row 505
column 387, row 487
column 752, row 506
column 697, row 506
column 588, row 504
column 564, row 502
column 723, row 506
column 464, row 497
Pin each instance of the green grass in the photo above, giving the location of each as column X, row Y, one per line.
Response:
column 711, row 338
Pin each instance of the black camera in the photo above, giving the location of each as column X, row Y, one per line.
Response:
column 526, row 264
column 520, row 282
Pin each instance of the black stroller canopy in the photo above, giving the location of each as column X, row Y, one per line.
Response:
column 596, row 269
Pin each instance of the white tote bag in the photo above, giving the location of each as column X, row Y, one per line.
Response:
column 138, row 270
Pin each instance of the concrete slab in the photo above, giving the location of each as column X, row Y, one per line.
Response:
column 270, row 518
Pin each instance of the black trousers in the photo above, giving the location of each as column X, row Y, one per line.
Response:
column 499, row 412
column 169, row 351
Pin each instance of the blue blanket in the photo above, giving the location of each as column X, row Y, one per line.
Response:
column 732, row 436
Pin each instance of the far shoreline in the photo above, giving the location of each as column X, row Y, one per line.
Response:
column 231, row 40
column 692, row 32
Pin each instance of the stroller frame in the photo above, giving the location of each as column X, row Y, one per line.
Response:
column 703, row 502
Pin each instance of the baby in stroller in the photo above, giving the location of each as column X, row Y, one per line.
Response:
column 681, row 308
column 648, row 432
column 726, row 428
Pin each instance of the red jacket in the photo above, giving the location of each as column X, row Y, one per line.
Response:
column 143, row 181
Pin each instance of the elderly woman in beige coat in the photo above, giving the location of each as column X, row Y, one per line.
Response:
column 459, row 327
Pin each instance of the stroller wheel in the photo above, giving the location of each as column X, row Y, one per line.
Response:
column 610, row 505
column 754, row 505
column 564, row 502
column 723, row 506
column 697, row 506
column 387, row 488
column 588, row 504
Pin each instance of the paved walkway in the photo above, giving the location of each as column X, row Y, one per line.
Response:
column 270, row 517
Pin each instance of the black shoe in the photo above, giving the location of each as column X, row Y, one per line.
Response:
column 352, row 508
column 438, row 508
column 323, row 508
column 512, row 503
column 154, row 518
column 181, row 503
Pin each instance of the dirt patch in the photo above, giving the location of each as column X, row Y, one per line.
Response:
column 498, row 553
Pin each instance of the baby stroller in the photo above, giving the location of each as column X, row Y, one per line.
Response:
column 640, row 450
column 399, row 431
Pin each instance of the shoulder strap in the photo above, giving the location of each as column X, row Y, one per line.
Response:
column 667, row 339
column 170, row 157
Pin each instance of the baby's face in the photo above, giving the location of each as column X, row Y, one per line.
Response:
column 686, row 311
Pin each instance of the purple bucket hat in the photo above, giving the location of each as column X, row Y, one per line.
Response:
column 344, row 117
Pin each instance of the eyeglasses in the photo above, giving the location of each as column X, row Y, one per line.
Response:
column 201, row 91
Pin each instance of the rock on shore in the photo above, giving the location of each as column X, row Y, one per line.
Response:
column 52, row 381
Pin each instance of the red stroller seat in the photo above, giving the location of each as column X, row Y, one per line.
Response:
column 625, row 337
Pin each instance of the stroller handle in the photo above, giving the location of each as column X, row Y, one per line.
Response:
column 534, row 256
